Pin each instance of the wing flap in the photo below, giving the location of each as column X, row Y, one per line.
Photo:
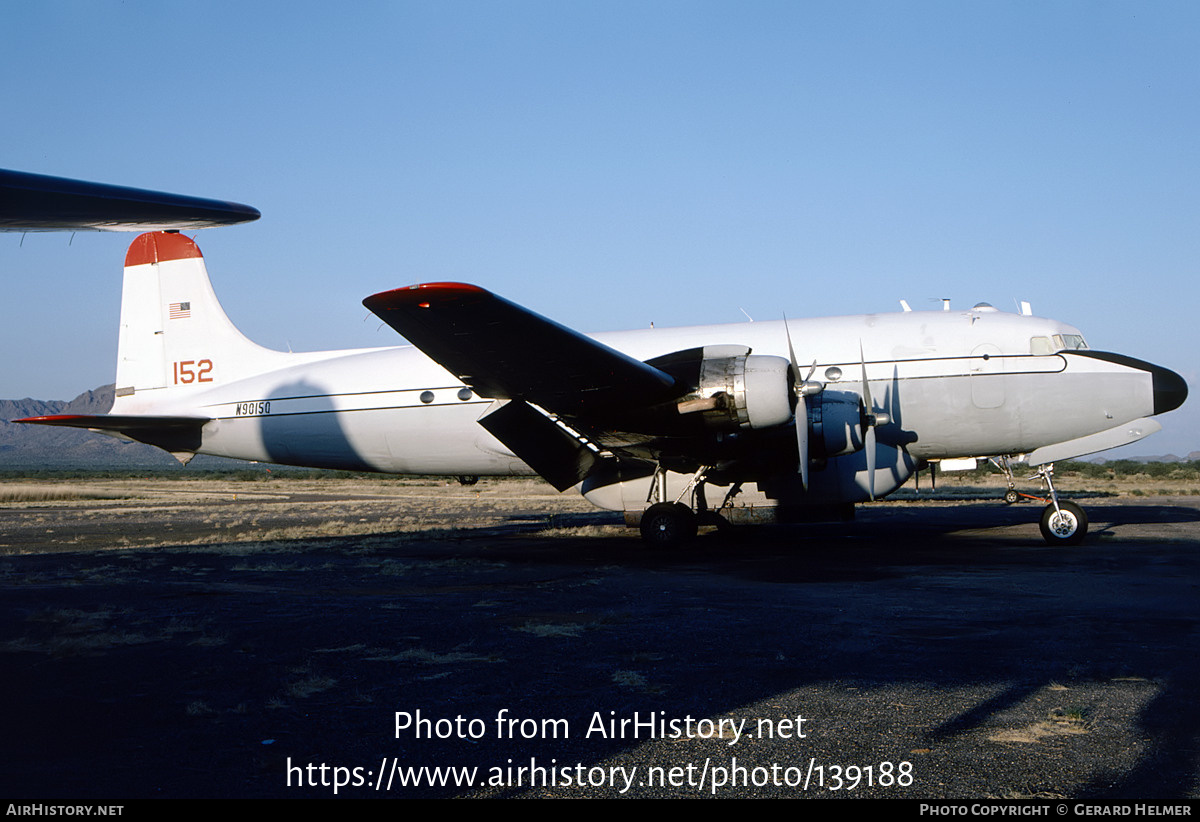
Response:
column 557, row 456
column 505, row 351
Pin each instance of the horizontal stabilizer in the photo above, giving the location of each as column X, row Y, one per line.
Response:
column 504, row 351
column 1093, row 443
column 172, row 434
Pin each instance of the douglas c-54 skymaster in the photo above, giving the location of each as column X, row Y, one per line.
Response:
column 671, row 426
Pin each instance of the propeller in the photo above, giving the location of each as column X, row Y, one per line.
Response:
column 802, row 388
column 870, row 420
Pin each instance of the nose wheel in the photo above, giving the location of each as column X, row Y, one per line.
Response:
column 1065, row 524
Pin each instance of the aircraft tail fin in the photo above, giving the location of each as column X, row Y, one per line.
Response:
column 175, row 338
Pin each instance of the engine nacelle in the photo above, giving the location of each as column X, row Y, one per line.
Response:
column 739, row 392
column 836, row 423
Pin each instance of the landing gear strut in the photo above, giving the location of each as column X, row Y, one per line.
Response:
column 672, row 524
column 1004, row 463
column 1063, row 522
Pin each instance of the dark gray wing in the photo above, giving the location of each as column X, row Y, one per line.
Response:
column 35, row 202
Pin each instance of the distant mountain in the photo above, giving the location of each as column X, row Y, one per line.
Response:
column 1191, row 457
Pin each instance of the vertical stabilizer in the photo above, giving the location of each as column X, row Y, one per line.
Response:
column 175, row 338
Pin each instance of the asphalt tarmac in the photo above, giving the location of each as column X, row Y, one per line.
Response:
column 929, row 650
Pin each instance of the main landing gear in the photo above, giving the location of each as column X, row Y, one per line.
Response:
column 668, row 524
column 1063, row 522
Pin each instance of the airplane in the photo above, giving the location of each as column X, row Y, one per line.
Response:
column 793, row 419
column 38, row 202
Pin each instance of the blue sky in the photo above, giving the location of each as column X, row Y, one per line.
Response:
column 615, row 163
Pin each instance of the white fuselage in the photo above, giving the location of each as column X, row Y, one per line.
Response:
column 958, row 383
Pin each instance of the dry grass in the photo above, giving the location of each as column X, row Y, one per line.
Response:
column 634, row 681
column 256, row 518
column 549, row 630
column 238, row 518
column 65, row 632
column 309, row 685
column 1158, row 479
column 54, row 491
column 423, row 656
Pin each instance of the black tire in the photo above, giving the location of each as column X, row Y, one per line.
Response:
column 1011, row 496
column 467, row 479
column 1067, row 526
column 668, row 525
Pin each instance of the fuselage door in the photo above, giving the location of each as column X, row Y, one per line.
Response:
column 987, row 376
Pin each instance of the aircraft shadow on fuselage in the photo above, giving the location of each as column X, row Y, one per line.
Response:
column 316, row 430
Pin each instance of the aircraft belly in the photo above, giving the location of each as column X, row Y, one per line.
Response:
column 842, row 480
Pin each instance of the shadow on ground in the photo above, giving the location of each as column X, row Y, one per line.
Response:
column 944, row 637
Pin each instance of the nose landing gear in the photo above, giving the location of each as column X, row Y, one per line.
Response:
column 1063, row 522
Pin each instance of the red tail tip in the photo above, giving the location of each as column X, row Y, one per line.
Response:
column 159, row 247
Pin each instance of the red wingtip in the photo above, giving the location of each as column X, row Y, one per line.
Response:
column 159, row 247
column 56, row 419
column 421, row 294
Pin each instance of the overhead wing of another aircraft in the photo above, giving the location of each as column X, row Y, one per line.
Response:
column 36, row 202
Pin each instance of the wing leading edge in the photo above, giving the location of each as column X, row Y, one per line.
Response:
column 504, row 351
column 36, row 202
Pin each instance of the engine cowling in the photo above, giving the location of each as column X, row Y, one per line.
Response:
column 735, row 390
column 836, row 422
column 739, row 392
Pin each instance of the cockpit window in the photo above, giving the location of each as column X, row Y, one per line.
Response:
column 1069, row 342
column 1042, row 346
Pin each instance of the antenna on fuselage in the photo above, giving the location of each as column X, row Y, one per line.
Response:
column 945, row 304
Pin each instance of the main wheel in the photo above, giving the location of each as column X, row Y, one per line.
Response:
column 668, row 525
column 1066, row 526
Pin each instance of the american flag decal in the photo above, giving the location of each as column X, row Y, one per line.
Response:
column 179, row 311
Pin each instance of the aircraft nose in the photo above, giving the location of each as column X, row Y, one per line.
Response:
column 1169, row 389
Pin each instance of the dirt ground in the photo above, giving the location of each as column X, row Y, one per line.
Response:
column 312, row 638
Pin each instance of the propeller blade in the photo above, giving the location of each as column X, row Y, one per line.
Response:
column 801, row 412
column 868, row 424
column 870, row 447
column 802, row 438
column 866, row 388
column 791, row 352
